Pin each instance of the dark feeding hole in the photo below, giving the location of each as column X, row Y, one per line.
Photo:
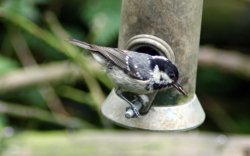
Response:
column 146, row 49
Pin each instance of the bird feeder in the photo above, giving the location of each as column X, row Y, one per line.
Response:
column 170, row 28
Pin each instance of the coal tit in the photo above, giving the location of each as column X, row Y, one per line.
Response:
column 134, row 72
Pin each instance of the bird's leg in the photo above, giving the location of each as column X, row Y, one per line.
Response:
column 133, row 107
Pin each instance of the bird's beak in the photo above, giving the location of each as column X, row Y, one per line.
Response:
column 179, row 88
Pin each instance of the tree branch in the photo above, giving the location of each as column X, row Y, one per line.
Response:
column 36, row 113
column 38, row 75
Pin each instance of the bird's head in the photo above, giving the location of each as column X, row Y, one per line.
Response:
column 166, row 73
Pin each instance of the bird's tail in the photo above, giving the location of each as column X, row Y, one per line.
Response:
column 82, row 44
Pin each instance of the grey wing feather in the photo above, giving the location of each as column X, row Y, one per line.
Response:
column 82, row 44
column 115, row 55
column 140, row 65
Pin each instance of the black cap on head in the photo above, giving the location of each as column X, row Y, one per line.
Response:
column 172, row 72
column 166, row 66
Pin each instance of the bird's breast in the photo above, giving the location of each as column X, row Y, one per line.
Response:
column 125, row 82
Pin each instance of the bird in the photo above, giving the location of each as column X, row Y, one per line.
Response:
column 134, row 72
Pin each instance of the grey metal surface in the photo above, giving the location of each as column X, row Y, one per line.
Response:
column 172, row 118
column 177, row 22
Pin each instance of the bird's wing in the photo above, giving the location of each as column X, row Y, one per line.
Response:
column 115, row 55
column 118, row 57
column 121, row 59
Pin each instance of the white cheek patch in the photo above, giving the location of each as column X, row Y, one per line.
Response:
column 166, row 78
column 156, row 74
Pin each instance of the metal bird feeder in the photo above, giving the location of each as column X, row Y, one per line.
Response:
column 170, row 28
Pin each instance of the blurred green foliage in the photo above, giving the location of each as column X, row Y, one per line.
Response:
column 226, row 23
column 103, row 19
column 36, row 24
column 27, row 8
column 7, row 65
column 41, row 27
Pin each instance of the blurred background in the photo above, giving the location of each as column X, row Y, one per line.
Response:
column 47, row 85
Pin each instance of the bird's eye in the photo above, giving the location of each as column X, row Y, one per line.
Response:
column 172, row 75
